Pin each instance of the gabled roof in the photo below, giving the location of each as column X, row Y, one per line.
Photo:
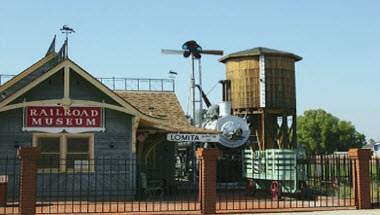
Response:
column 164, row 105
column 28, row 75
column 45, row 68
column 167, row 114
column 258, row 51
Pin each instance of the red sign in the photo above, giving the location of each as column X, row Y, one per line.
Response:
column 63, row 119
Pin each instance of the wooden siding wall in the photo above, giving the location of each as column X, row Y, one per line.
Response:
column 53, row 85
column 81, row 89
column 118, row 125
column 244, row 76
column 280, row 82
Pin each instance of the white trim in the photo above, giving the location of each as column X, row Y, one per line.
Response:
column 63, row 150
column 59, row 130
column 262, row 80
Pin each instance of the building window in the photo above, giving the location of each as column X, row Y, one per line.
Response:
column 65, row 152
column 50, row 152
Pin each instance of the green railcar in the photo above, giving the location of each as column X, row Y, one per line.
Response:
column 275, row 166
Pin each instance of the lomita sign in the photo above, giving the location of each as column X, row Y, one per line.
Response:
column 177, row 137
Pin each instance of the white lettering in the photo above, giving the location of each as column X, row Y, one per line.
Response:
column 69, row 121
column 84, row 113
column 46, row 116
column 78, row 121
column 36, row 121
column 75, row 113
column 49, row 121
column 33, row 112
column 94, row 113
column 67, row 112
column 43, row 113
column 90, row 122
column 192, row 137
column 59, row 121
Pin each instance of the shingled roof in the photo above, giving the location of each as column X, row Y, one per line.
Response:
column 163, row 105
column 258, row 51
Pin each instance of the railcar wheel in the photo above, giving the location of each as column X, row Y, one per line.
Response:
column 303, row 191
column 275, row 190
column 251, row 187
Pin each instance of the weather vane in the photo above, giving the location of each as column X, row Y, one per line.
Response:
column 67, row 30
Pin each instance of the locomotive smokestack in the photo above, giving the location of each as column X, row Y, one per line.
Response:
column 226, row 90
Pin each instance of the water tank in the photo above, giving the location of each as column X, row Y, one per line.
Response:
column 261, row 78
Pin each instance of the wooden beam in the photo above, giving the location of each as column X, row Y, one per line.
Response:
column 66, row 82
column 135, row 125
column 31, row 103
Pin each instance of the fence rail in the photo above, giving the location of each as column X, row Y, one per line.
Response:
column 139, row 84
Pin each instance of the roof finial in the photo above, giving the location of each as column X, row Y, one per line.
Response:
column 51, row 47
column 66, row 30
column 62, row 53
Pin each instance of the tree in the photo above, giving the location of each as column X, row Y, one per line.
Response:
column 321, row 132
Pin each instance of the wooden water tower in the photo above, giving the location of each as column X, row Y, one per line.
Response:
column 260, row 83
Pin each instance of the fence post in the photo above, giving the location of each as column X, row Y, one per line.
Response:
column 207, row 179
column 28, row 179
column 361, row 177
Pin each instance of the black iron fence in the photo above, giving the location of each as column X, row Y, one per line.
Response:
column 101, row 185
column 9, row 185
column 374, row 171
column 311, row 182
column 111, row 186
column 106, row 185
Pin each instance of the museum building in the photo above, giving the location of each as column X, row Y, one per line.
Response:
column 75, row 119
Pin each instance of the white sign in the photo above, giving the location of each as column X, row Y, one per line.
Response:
column 176, row 137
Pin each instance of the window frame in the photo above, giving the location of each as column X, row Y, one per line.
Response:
column 63, row 139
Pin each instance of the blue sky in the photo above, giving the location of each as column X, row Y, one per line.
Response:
column 339, row 41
